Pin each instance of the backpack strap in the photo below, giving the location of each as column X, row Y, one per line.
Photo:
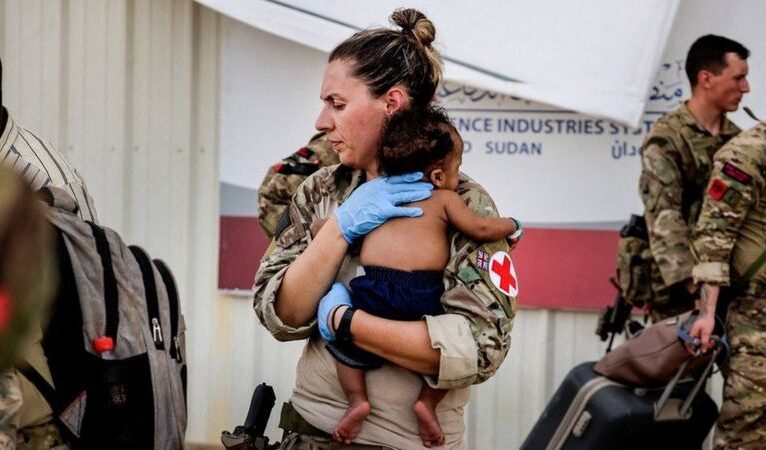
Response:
column 41, row 384
column 111, row 301
column 170, row 287
column 150, row 289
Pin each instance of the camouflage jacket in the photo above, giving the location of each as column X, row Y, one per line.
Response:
column 487, row 313
column 675, row 168
column 731, row 232
column 283, row 178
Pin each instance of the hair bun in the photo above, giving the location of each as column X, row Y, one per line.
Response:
column 415, row 23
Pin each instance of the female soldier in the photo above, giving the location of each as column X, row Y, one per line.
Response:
column 370, row 76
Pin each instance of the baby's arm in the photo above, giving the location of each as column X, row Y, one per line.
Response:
column 476, row 227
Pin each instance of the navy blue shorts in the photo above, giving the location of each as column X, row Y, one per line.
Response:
column 392, row 294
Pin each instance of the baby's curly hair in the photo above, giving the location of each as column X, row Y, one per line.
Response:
column 415, row 140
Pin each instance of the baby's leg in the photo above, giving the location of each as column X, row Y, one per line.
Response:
column 352, row 382
column 425, row 410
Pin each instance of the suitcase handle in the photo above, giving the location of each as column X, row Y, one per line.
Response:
column 684, row 411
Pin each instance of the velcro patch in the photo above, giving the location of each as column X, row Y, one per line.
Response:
column 482, row 259
column 736, row 173
column 717, row 188
column 732, row 197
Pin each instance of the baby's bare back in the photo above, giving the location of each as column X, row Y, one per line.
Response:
column 412, row 243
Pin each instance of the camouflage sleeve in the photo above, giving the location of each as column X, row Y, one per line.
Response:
column 274, row 196
column 285, row 248
column 661, row 191
column 735, row 182
column 475, row 334
column 10, row 404
column 283, row 178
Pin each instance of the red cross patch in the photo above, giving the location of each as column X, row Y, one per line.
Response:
column 503, row 274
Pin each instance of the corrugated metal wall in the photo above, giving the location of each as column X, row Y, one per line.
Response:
column 128, row 91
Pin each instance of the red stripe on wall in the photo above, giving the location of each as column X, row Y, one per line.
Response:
column 558, row 269
column 242, row 246
column 566, row 268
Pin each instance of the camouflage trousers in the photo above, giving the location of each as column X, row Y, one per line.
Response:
column 41, row 437
column 742, row 422
column 10, row 403
column 296, row 441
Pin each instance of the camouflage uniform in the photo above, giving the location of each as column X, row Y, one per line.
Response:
column 675, row 168
column 283, row 179
column 473, row 337
column 730, row 235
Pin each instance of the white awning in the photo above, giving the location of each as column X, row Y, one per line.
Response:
column 591, row 56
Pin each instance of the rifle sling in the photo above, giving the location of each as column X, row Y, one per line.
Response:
column 741, row 283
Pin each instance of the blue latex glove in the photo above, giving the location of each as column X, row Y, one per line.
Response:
column 376, row 201
column 337, row 296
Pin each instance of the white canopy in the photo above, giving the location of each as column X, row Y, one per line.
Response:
column 594, row 57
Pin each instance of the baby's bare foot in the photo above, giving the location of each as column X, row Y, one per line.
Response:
column 351, row 423
column 428, row 425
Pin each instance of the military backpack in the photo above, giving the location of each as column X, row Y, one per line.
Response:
column 638, row 275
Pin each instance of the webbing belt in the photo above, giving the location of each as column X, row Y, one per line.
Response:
column 291, row 420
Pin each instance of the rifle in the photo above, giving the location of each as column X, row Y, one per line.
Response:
column 613, row 319
column 250, row 435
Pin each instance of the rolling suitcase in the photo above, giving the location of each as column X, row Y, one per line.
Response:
column 589, row 411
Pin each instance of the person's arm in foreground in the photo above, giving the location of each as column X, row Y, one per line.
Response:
column 476, row 227
column 730, row 195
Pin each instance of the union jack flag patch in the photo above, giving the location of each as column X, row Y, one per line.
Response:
column 482, row 260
